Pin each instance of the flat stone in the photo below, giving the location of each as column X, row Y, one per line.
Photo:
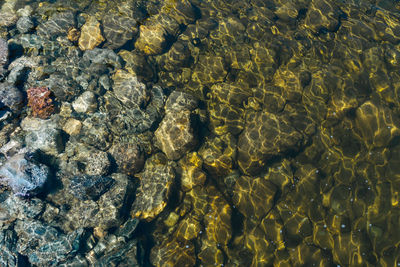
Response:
column 175, row 135
column 90, row 34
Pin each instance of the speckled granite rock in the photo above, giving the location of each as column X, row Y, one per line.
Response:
column 90, row 34
column 23, row 174
column 155, row 184
column 90, row 186
column 128, row 156
column 10, row 97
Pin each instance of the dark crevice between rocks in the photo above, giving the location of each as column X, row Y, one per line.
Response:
column 145, row 242
column 22, row 261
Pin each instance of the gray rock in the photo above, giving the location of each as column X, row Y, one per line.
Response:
column 86, row 102
column 8, row 243
column 107, row 211
column 25, row 176
column 14, row 207
column 43, row 135
column 90, row 186
column 118, row 30
column 45, row 245
column 58, row 24
column 178, row 101
column 25, row 24
column 94, row 132
column 3, row 52
column 129, row 90
column 10, row 97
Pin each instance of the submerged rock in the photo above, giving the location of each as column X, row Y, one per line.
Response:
column 25, row 176
column 86, row 102
column 25, row 24
column 10, row 97
column 155, row 186
column 90, row 186
column 90, row 34
column 41, row 101
column 3, row 52
column 45, row 245
column 43, row 134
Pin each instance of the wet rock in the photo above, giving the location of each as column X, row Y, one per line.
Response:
column 90, row 34
column 20, row 68
column 190, row 168
column 118, row 30
column 152, row 38
column 178, row 101
column 322, row 15
column 90, row 186
column 23, row 174
column 94, row 132
column 58, row 24
column 43, row 135
column 175, row 135
column 14, row 207
column 109, row 210
column 155, row 185
column 10, row 97
column 376, row 124
column 123, row 120
column 265, row 136
column 249, row 192
column 41, row 101
column 45, row 245
column 118, row 247
column 72, row 126
column 136, row 63
column 86, row 102
column 128, row 156
column 8, row 244
column 100, row 60
column 3, row 54
column 129, row 90
column 8, row 15
column 219, row 154
column 63, row 87
column 25, row 24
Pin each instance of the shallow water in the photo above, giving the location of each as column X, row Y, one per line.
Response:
column 203, row 133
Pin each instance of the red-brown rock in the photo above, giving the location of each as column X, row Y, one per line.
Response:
column 41, row 101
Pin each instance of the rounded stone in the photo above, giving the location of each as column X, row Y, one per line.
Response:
column 85, row 103
column 72, row 126
column 25, row 24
